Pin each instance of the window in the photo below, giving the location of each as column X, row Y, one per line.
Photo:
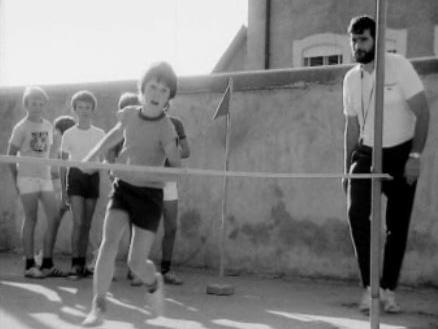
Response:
column 321, row 49
column 323, row 60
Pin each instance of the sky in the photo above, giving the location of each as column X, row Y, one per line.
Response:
column 68, row 41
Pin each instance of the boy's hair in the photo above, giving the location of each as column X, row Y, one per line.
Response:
column 64, row 122
column 127, row 99
column 34, row 91
column 360, row 24
column 163, row 72
column 84, row 96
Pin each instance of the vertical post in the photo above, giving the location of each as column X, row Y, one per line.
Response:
column 376, row 203
column 225, row 188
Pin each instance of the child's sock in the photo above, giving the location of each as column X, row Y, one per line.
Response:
column 30, row 262
column 165, row 266
column 75, row 262
column 81, row 262
column 47, row 262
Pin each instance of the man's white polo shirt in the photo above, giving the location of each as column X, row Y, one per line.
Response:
column 401, row 83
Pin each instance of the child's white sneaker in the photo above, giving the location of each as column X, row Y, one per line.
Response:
column 155, row 296
column 34, row 273
column 95, row 317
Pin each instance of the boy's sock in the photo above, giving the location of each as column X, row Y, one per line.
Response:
column 81, row 262
column 75, row 262
column 30, row 262
column 165, row 266
column 47, row 262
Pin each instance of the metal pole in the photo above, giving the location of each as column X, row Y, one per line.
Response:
column 376, row 203
column 225, row 189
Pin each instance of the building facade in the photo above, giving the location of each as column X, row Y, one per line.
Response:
column 297, row 33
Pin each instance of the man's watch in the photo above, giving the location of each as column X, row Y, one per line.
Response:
column 415, row 155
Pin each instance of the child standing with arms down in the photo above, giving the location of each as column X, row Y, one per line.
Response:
column 137, row 198
column 61, row 124
column 33, row 137
column 80, row 189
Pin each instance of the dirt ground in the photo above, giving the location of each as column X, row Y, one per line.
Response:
column 258, row 303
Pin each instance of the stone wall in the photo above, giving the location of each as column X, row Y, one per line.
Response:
column 282, row 121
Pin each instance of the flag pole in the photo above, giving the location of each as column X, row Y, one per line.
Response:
column 376, row 203
column 223, row 109
column 225, row 188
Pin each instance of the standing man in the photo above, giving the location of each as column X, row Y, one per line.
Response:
column 405, row 128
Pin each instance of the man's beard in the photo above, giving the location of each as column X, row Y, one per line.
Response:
column 363, row 56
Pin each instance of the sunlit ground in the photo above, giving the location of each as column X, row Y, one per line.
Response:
column 257, row 304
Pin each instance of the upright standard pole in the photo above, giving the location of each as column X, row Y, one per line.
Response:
column 225, row 189
column 376, row 203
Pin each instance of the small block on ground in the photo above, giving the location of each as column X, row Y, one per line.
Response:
column 220, row 289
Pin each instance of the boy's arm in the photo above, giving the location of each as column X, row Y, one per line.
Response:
column 183, row 144
column 63, row 177
column 184, row 148
column 13, row 150
column 112, row 138
column 172, row 154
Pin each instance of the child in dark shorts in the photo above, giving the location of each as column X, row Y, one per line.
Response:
column 80, row 189
column 137, row 198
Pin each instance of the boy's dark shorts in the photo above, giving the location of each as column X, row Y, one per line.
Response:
column 144, row 205
column 82, row 184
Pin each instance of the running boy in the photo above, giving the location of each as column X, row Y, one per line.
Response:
column 80, row 188
column 150, row 138
column 33, row 136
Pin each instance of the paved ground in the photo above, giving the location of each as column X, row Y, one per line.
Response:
column 257, row 304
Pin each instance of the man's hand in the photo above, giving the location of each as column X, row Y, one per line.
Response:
column 345, row 184
column 412, row 170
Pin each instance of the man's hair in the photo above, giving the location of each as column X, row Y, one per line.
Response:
column 84, row 96
column 164, row 73
column 128, row 99
column 64, row 122
column 34, row 91
column 360, row 24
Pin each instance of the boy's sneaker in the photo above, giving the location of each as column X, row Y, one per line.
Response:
column 75, row 273
column 34, row 273
column 390, row 305
column 155, row 296
column 95, row 317
column 172, row 278
column 53, row 272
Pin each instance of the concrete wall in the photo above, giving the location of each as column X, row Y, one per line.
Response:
column 282, row 121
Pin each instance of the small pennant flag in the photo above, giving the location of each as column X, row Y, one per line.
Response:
column 224, row 105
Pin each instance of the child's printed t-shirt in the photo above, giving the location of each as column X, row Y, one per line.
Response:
column 33, row 139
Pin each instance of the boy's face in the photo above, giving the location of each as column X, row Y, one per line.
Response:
column 83, row 110
column 35, row 106
column 156, row 94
